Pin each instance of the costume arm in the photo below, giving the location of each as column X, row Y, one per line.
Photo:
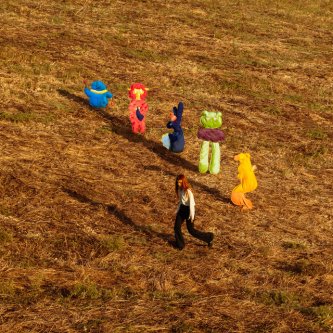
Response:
column 179, row 113
column 108, row 95
column 192, row 205
column 169, row 124
column 87, row 92
column 139, row 115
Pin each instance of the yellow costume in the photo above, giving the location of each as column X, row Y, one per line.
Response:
column 248, row 181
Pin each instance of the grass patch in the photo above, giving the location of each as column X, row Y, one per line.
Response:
column 105, row 129
column 279, row 298
column 7, row 289
column 88, row 290
column 5, row 236
column 91, row 325
column 173, row 295
column 147, row 55
column 323, row 314
column 273, row 110
column 25, row 117
column 18, row 117
column 303, row 267
column 58, row 20
column 293, row 245
column 113, row 243
column 314, row 150
column 294, row 99
column 165, row 257
column 61, row 107
column 308, row 155
column 5, row 211
column 139, row 240
column 228, row 86
column 317, row 134
column 26, row 295
column 182, row 327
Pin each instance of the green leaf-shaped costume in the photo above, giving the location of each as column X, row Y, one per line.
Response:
column 210, row 122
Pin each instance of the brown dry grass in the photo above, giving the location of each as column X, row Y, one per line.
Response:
column 87, row 208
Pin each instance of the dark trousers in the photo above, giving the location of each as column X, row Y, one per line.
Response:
column 183, row 214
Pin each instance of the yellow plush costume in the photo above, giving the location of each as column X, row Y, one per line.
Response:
column 248, row 181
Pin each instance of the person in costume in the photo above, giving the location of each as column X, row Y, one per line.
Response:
column 248, row 181
column 186, row 212
column 175, row 141
column 138, row 107
column 98, row 94
column 211, row 134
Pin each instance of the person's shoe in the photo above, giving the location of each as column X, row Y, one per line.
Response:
column 210, row 243
column 174, row 245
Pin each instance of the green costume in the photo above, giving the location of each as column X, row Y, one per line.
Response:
column 210, row 122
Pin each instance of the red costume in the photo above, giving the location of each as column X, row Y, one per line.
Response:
column 138, row 107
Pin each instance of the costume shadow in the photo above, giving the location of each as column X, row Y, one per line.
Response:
column 114, row 210
column 74, row 98
column 121, row 126
column 212, row 191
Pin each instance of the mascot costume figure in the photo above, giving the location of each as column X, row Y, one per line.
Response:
column 210, row 133
column 98, row 94
column 175, row 141
column 248, row 181
column 138, row 107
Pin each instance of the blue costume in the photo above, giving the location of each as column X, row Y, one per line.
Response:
column 98, row 94
column 177, row 141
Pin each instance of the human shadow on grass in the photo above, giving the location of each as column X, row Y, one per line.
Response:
column 212, row 191
column 120, row 215
column 121, row 126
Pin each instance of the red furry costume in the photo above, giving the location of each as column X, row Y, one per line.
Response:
column 138, row 107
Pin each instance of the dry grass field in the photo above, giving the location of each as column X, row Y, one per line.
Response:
column 87, row 208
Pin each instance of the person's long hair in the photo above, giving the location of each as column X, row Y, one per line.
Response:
column 185, row 184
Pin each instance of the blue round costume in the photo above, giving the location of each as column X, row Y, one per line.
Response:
column 98, row 94
column 177, row 141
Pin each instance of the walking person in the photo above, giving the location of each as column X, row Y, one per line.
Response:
column 186, row 211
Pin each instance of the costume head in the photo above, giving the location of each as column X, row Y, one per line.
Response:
column 137, row 92
column 98, row 86
column 211, row 119
column 178, row 112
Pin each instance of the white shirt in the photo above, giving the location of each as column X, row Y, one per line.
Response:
column 187, row 199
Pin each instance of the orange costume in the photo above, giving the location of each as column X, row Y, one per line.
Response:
column 138, row 107
column 248, row 181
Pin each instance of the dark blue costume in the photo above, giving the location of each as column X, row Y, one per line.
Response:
column 98, row 94
column 177, row 141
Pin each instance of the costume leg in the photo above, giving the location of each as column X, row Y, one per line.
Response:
column 135, row 127
column 178, row 231
column 142, row 126
column 214, row 167
column 203, row 163
column 204, row 236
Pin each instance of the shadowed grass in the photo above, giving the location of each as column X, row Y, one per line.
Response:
column 87, row 207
